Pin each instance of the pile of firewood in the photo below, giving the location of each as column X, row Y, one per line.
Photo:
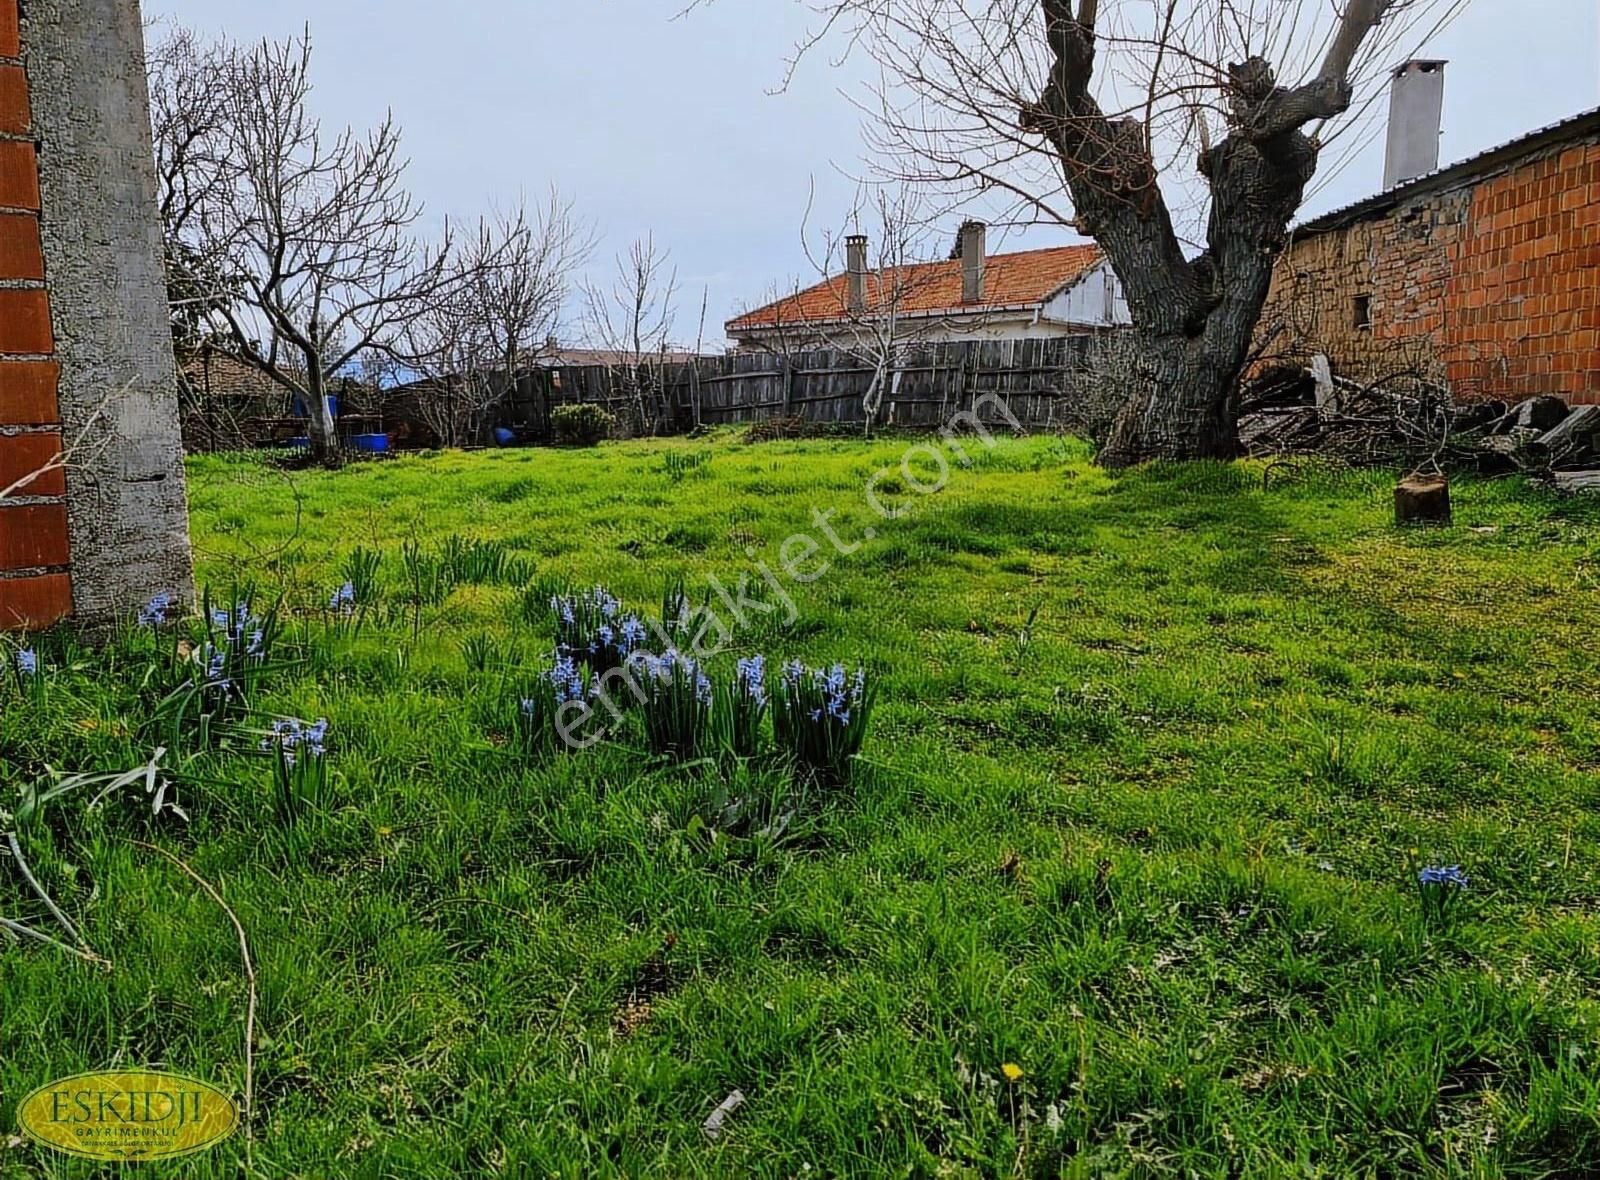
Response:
column 1405, row 420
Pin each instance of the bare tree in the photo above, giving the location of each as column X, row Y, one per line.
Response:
column 518, row 274
column 1011, row 98
column 466, row 345
column 443, row 359
column 885, row 265
column 878, row 274
column 303, row 240
column 632, row 319
column 188, row 101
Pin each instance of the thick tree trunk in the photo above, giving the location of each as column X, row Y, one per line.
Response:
column 1194, row 318
column 1183, row 405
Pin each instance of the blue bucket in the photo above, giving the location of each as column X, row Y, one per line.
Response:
column 504, row 436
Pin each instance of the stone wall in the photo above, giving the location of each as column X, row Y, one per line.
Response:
column 85, row 350
column 1493, row 284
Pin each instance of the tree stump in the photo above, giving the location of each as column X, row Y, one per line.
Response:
column 1422, row 499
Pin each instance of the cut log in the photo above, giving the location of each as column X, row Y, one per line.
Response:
column 1422, row 499
column 1537, row 413
column 1477, row 416
column 1577, row 481
column 1573, row 444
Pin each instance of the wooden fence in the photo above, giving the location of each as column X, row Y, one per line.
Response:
column 930, row 383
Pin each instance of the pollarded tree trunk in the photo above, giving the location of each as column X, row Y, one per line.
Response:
column 1182, row 406
column 1194, row 318
column 1185, row 404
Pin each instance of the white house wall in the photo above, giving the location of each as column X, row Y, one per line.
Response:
column 1096, row 300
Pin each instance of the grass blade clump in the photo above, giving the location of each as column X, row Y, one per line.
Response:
column 820, row 718
column 742, row 706
column 299, row 768
column 676, row 704
column 361, row 575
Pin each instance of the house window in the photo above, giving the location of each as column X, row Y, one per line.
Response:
column 1363, row 311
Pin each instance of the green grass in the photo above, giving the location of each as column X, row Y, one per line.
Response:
column 1157, row 846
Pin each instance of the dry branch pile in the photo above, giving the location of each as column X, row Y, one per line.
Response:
column 1407, row 420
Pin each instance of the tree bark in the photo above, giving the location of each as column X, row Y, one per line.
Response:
column 323, row 434
column 1185, row 401
column 1194, row 319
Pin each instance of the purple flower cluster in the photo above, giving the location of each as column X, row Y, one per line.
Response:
column 598, row 603
column 840, row 692
column 612, row 645
column 28, row 662
column 752, row 680
column 157, row 610
column 1443, row 876
column 820, row 716
column 343, row 600
column 663, row 669
column 243, row 637
column 565, row 678
column 290, row 735
column 241, row 629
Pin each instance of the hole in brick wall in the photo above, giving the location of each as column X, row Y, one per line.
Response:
column 1362, row 316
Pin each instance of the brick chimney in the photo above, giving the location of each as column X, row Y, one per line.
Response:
column 973, row 246
column 855, row 248
column 1416, row 112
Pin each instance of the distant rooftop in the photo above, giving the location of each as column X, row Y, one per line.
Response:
column 1021, row 279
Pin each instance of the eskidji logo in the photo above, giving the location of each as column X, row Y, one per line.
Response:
column 132, row 1115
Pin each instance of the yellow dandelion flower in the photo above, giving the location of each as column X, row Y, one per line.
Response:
column 1013, row 1072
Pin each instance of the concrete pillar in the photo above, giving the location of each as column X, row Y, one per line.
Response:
column 85, row 348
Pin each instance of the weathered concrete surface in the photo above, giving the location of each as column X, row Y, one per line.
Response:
column 102, row 246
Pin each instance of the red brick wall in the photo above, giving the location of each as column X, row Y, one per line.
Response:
column 1494, row 285
column 35, row 585
column 1526, row 285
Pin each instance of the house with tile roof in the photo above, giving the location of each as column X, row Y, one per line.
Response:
column 974, row 295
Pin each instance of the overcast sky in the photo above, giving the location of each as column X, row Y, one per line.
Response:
column 653, row 124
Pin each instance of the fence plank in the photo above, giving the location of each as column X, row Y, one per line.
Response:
column 1034, row 378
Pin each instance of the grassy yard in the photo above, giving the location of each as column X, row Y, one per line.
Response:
column 1156, row 762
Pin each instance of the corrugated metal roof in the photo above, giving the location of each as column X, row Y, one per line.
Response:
column 1570, row 128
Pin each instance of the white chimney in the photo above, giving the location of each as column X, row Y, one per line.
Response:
column 974, row 248
column 1416, row 113
column 855, row 247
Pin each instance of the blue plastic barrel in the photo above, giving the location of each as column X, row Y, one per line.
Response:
column 504, row 436
column 301, row 443
column 300, row 407
column 373, row 444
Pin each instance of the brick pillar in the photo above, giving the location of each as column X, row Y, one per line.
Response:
column 35, row 587
column 85, row 345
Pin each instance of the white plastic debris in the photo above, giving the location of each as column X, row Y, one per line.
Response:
column 717, row 1118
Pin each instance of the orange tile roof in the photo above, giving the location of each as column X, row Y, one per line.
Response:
column 1026, row 277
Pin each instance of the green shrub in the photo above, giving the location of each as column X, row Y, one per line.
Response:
column 582, row 425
